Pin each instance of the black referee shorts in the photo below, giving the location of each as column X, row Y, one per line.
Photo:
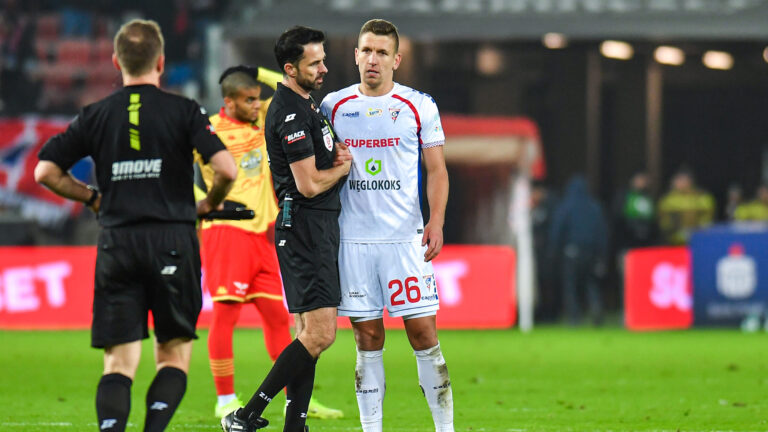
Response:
column 141, row 268
column 309, row 259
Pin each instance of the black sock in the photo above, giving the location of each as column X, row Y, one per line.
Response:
column 299, row 391
column 163, row 397
column 113, row 402
column 292, row 362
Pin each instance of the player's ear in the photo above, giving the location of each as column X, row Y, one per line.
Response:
column 356, row 53
column 229, row 103
column 289, row 70
column 161, row 64
column 398, row 58
column 115, row 62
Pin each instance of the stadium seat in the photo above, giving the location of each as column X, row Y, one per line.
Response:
column 48, row 27
column 58, row 75
column 102, row 73
column 94, row 93
column 45, row 50
column 102, row 50
column 74, row 51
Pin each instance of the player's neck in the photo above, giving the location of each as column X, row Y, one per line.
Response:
column 381, row 90
column 293, row 85
column 152, row 78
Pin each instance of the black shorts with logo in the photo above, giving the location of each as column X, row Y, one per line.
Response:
column 143, row 267
column 309, row 259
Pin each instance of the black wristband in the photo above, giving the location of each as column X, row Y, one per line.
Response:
column 94, row 196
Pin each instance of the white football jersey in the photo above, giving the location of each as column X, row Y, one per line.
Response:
column 380, row 201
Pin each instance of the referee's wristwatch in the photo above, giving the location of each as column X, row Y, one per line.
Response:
column 94, row 196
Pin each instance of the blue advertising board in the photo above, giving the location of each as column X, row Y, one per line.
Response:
column 730, row 273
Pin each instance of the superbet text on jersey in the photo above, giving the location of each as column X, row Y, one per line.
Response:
column 385, row 135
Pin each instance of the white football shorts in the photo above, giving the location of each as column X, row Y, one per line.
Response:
column 391, row 275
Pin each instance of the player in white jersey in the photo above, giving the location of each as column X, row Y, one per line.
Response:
column 386, row 250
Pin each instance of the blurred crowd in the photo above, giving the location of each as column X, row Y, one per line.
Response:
column 55, row 59
column 586, row 243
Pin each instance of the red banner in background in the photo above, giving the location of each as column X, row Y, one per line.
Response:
column 52, row 288
column 20, row 141
column 658, row 289
column 46, row 287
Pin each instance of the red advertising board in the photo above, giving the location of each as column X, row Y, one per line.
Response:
column 52, row 288
column 46, row 287
column 658, row 290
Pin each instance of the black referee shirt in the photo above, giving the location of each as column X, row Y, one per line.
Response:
column 141, row 140
column 295, row 130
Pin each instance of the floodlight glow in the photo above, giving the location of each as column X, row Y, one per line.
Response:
column 489, row 60
column 669, row 55
column 554, row 40
column 617, row 50
column 719, row 60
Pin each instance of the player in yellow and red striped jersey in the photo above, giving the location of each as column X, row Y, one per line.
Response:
column 238, row 256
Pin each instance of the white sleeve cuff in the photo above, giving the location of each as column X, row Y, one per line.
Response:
column 432, row 144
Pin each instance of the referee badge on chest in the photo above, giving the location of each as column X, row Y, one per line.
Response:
column 327, row 138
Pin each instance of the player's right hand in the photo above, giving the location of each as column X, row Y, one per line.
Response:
column 204, row 207
column 343, row 156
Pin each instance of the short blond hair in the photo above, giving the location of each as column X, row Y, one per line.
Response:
column 138, row 44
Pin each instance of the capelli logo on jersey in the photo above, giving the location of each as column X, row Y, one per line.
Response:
column 296, row 136
column 355, row 114
column 374, row 112
column 137, row 169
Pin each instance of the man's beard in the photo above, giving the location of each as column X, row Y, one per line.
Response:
column 307, row 84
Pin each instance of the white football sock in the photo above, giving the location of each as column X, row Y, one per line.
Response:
column 436, row 385
column 225, row 399
column 370, row 388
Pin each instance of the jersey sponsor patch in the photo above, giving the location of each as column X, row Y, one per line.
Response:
column 430, row 288
column 374, row 185
column 373, row 166
column 374, row 112
column 289, row 117
column 296, row 136
column 137, row 169
column 371, row 143
column 327, row 138
column 393, row 113
column 251, row 162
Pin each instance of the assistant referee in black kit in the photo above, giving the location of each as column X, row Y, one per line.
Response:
column 307, row 163
column 141, row 139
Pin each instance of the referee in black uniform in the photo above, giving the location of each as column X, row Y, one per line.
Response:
column 307, row 163
column 141, row 139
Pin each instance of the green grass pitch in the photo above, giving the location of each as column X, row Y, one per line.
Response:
column 554, row 379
